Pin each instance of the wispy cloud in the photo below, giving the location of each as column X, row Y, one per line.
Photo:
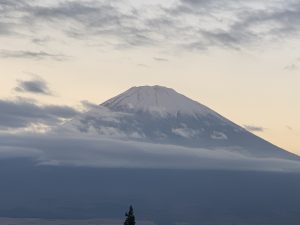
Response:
column 143, row 65
column 41, row 40
column 31, row 55
column 252, row 128
column 160, row 59
column 289, row 128
column 291, row 67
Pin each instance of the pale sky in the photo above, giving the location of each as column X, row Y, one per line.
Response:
column 240, row 58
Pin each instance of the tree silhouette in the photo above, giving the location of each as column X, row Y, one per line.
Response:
column 130, row 218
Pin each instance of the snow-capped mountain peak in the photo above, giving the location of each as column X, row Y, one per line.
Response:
column 156, row 99
column 155, row 114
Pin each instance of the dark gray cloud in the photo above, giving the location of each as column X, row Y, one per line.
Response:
column 22, row 113
column 35, row 85
column 62, row 150
column 192, row 24
column 31, row 55
column 252, row 128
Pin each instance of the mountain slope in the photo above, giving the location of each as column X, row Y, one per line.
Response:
column 161, row 115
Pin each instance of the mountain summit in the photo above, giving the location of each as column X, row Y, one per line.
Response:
column 155, row 114
column 156, row 99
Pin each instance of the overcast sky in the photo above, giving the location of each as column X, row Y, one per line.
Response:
column 239, row 57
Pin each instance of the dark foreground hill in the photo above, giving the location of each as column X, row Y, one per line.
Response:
column 163, row 196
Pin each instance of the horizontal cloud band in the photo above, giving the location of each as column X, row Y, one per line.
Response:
column 106, row 153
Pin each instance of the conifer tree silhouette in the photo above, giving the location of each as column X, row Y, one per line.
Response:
column 130, row 218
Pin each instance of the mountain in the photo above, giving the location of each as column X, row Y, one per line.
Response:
column 156, row 114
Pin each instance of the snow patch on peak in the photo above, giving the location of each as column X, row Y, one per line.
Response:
column 158, row 100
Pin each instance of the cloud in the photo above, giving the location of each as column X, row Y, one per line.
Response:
column 89, row 105
column 40, row 41
column 31, row 55
column 252, row 128
column 238, row 24
column 143, row 65
column 291, row 67
column 106, row 153
column 36, row 85
column 18, row 152
column 11, row 18
column 185, row 132
column 25, row 113
column 188, row 24
column 218, row 136
column 4, row 29
column 93, row 18
column 160, row 59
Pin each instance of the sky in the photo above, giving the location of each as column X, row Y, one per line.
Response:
column 240, row 58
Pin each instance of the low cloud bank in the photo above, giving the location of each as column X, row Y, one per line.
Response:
column 27, row 114
column 105, row 153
